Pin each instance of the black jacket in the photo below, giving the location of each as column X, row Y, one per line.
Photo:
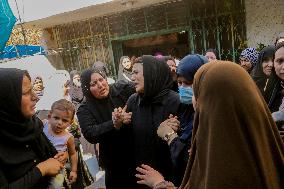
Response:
column 149, row 109
column 146, row 118
column 95, row 119
column 18, row 167
column 22, row 142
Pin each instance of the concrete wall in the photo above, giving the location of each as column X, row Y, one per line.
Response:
column 264, row 20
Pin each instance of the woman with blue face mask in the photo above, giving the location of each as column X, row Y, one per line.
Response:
column 187, row 68
column 239, row 149
column 177, row 131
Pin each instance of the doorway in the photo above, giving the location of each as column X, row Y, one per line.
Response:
column 174, row 44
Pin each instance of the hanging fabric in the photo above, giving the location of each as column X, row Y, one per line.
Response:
column 7, row 21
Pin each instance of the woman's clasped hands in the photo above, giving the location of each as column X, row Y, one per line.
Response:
column 120, row 116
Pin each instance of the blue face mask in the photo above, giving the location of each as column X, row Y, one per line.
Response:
column 185, row 94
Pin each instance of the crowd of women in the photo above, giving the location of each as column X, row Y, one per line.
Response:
column 204, row 123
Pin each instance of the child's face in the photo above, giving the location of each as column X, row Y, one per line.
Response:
column 59, row 120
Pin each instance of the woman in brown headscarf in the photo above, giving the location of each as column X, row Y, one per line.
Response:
column 235, row 141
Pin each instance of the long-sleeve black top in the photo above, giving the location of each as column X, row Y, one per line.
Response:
column 18, row 167
column 22, row 142
column 95, row 119
column 180, row 145
column 146, row 118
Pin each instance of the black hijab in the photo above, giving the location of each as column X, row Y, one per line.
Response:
column 101, row 107
column 157, row 77
column 16, row 130
column 257, row 73
column 273, row 86
column 86, row 79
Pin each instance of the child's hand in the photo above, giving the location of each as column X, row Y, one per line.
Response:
column 62, row 157
column 72, row 177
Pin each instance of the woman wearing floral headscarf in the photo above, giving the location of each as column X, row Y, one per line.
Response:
column 248, row 58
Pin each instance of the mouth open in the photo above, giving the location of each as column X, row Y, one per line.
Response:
column 57, row 129
column 103, row 91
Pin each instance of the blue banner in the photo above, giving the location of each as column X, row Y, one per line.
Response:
column 15, row 51
column 7, row 21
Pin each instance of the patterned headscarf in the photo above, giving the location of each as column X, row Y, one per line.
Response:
column 251, row 54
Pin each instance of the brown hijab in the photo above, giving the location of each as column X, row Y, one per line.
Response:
column 235, row 142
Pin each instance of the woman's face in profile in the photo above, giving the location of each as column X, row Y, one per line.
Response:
column 138, row 77
column 29, row 99
column 279, row 63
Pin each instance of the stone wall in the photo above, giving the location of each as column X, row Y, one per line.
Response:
column 264, row 21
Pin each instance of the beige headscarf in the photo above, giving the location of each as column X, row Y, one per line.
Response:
column 236, row 144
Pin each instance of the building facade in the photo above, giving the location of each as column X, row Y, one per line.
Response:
column 264, row 21
column 176, row 28
column 75, row 40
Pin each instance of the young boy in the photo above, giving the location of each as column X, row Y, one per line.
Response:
column 59, row 118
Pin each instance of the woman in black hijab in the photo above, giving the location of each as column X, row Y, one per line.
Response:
column 274, row 90
column 98, row 125
column 263, row 67
column 150, row 106
column 239, row 149
column 26, row 158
